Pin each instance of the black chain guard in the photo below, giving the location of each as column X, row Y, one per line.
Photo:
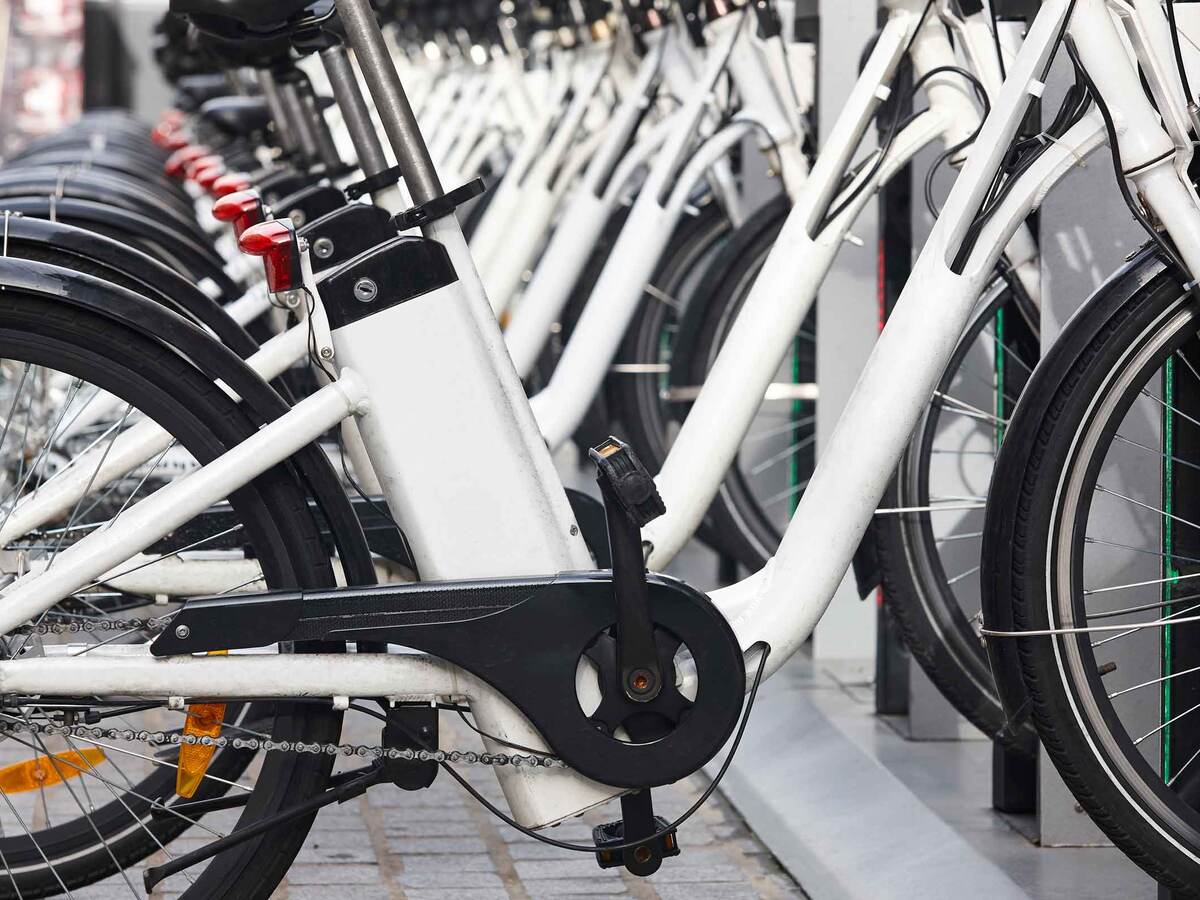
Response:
column 524, row 637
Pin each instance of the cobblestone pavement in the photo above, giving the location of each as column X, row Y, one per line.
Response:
column 439, row 844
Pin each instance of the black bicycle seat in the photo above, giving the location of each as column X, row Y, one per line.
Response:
column 252, row 18
column 257, row 52
column 237, row 116
column 196, row 90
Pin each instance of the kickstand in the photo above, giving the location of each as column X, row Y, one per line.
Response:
column 356, row 784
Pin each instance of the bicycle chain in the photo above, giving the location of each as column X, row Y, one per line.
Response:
column 174, row 739
column 90, row 626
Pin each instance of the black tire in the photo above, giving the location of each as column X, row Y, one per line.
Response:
column 699, row 248
column 1061, row 436
column 285, row 539
column 919, row 594
column 736, row 523
column 694, row 237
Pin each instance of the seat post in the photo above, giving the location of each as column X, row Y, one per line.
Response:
column 366, row 40
column 353, row 105
column 283, row 128
column 298, row 120
column 326, row 148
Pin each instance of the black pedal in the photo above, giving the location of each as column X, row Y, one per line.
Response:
column 639, row 821
column 411, row 728
column 631, row 484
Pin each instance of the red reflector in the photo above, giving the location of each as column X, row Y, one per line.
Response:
column 230, row 183
column 275, row 242
column 242, row 208
column 206, row 178
column 200, row 163
column 167, row 136
column 176, row 162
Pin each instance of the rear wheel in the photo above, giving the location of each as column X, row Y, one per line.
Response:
column 106, row 805
column 761, row 489
column 930, row 527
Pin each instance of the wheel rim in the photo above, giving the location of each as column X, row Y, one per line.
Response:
column 1096, row 581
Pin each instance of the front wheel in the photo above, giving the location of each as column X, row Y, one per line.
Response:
column 1093, row 540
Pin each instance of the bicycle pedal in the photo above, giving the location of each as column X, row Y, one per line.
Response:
column 629, row 482
column 644, row 859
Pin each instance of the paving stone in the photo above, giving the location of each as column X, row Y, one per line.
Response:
column 336, row 855
column 444, row 845
column 456, row 894
column 322, row 892
column 576, row 887
column 431, row 829
column 463, row 862
column 450, row 877
column 534, row 850
column 321, row 837
column 696, row 874
column 333, row 875
column 572, row 832
column 744, row 891
column 584, row 867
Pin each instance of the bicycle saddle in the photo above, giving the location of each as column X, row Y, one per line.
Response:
column 251, row 18
column 196, row 90
column 254, row 52
column 237, row 116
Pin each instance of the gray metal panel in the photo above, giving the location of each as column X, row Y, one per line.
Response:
column 841, row 823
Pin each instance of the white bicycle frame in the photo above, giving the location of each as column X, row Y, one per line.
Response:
column 660, row 204
column 505, row 515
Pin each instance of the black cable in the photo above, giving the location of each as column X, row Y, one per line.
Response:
column 1163, row 243
column 582, row 848
column 1075, row 104
column 894, row 129
column 1187, row 88
column 503, row 743
column 991, row 4
column 826, row 217
column 999, row 186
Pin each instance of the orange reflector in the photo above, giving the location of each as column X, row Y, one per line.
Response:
column 203, row 720
column 43, row 771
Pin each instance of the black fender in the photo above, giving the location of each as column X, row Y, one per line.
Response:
column 120, row 163
column 140, row 272
column 181, row 253
column 867, row 576
column 216, row 361
column 103, row 189
column 1087, row 322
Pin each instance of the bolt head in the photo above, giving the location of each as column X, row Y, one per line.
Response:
column 322, row 248
column 641, row 681
column 326, row 353
column 182, row 632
